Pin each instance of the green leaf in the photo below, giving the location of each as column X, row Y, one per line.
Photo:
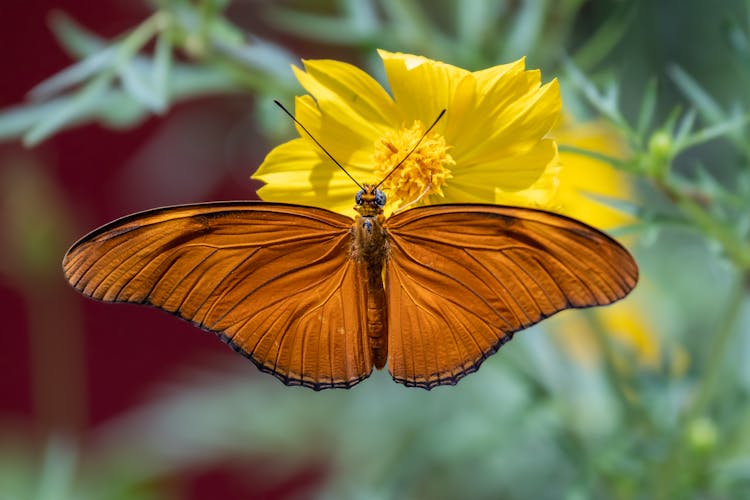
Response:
column 606, row 37
column 56, row 477
column 475, row 20
column 73, row 75
column 226, row 32
column 525, row 30
column 14, row 122
column 625, row 206
column 260, row 55
column 606, row 103
column 696, row 95
column 76, row 40
column 648, row 106
column 137, row 83
column 711, row 133
column 323, row 28
column 410, row 24
column 162, row 69
column 73, row 109
column 684, row 127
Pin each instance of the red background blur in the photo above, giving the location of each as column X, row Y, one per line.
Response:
column 53, row 380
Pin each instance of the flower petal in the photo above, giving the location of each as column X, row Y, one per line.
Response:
column 352, row 150
column 356, row 89
column 339, row 103
column 421, row 87
column 295, row 173
column 510, row 173
column 582, row 175
column 516, row 126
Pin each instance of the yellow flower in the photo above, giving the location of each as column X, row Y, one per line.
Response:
column 492, row 138
column 579, row 177
column 582, row 176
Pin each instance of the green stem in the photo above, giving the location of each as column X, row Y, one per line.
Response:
column 630, row 404
column 615, row 162
column 736, row 250
column 668, row 474
column 718, row 350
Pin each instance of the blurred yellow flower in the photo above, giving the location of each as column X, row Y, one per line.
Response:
column 579, row 177
column 491, row 139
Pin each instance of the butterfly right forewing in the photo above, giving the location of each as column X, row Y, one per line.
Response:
column 274, row 281
column 461, row 279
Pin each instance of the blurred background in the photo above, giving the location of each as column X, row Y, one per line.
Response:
column 144, row 104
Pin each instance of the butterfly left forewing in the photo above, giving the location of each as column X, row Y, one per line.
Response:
column 274, row 281
column 461, row 279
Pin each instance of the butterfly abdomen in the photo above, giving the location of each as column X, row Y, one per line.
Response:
column 370, row 249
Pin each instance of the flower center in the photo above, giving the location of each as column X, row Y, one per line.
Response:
column 422, row 174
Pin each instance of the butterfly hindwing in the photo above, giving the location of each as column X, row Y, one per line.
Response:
column 274, row 281
column 461, row 279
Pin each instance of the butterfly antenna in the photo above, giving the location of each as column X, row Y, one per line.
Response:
column 412, row 149
column 415, row 201
column 319, row 144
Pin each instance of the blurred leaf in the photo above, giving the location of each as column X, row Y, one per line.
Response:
column 684, row 127
column 697, row 96
column 74, row 108
column 137, row 84
column 474, row 21
column 349, row 27
column 79, row 42
column 264, row 57
column 411, row 26
column 605, row 102
column 15, row 121
column 224, row 32
column 737, row 38
column 607, row 36
column 525, row 30
column 58, row 470
column 626, row 206
column 648, row 107
column 711, row 133
column 73, row 75
column 162, row 70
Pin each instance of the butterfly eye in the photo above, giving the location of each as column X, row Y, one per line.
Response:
column 379, row 198
column 358, row 197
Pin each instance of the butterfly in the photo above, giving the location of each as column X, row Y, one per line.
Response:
column 319, row 299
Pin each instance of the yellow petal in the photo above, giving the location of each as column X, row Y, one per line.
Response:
column 356, row 89
column 421, row 87
column 489, row 79
column 352, row 150
column 491, row 137
column 583, row 175
column 517, row 126
column 336, row 109
column 541, row 194
column 511, row 173
column 295, row 173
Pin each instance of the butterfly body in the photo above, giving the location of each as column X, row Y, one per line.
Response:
column 320, row 299
column 370, row 250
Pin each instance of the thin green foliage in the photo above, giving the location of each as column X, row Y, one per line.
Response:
column 551, row 415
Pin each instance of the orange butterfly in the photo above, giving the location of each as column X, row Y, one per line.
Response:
column 299, row 290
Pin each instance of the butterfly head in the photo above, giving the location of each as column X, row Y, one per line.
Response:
column 370, row 201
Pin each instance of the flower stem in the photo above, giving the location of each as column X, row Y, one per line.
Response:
column 668, row 474
column 718, row 350
column 616, row 378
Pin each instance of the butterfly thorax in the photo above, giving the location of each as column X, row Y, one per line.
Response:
column 370, row 249
column 369, row 242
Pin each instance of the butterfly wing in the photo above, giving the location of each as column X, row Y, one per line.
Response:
column 274, row 281
column 461, row 279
